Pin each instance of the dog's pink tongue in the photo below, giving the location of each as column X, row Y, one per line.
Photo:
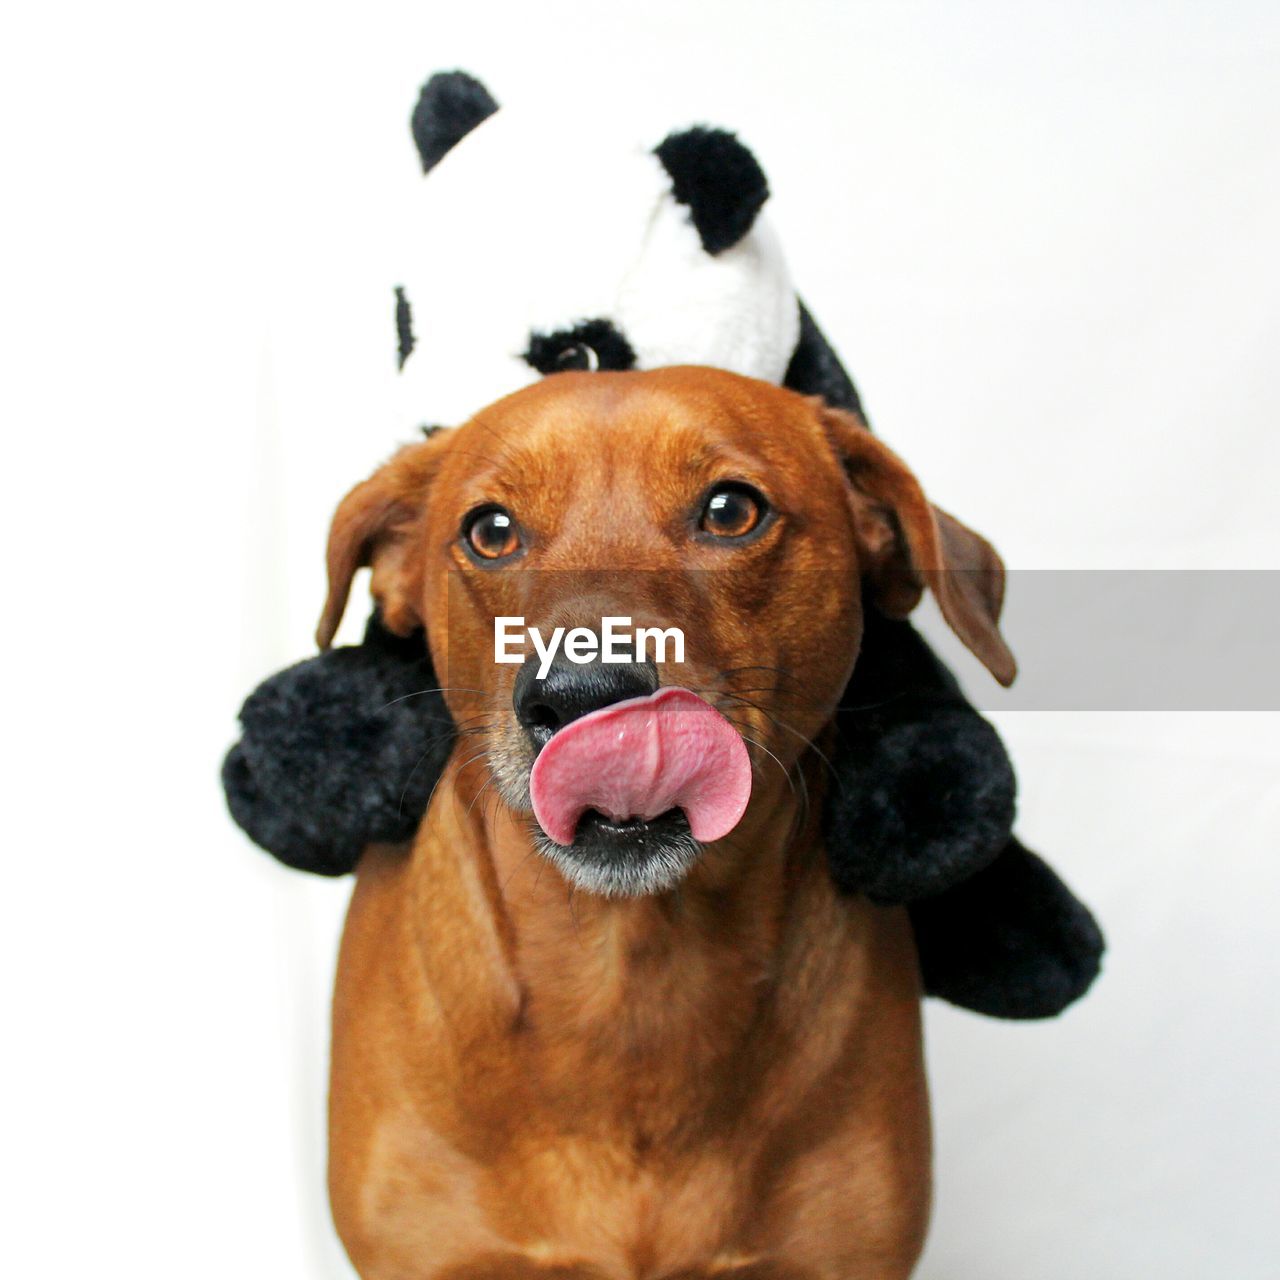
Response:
column 639, row 758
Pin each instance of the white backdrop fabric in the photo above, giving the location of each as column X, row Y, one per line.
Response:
column 1043, row 238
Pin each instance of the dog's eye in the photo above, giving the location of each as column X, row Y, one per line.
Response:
column 732, row 510
column 490, row 533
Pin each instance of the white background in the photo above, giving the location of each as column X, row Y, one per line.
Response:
column 1044, row 240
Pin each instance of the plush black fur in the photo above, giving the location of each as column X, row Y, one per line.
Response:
column 719, row 179
column 404, row 326
column 922, row 792
column 450, row 105
column 340, row 751
column 1014, row 919
column 814, row 369
column 561, row 350
column 343, row 750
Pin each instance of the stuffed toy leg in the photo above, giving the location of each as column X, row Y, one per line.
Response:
column 343, row 750
column 920, row 810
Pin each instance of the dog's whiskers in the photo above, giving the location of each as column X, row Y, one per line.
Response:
column 792, row 699
column 486, row 785
column 466, row 729
column 793, row 776
column 512, row 873
column 573, row 915
column 779, row 723
column 726, row 672
column 419, row 693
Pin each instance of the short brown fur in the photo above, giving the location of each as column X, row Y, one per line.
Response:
column 724, row 1080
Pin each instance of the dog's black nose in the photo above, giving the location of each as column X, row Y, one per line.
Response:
column 571, row 689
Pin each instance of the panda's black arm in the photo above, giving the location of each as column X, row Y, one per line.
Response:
column 921, row 793
column 927, row 793
column 339, row 752
column 1011, row 941
column 921, row 805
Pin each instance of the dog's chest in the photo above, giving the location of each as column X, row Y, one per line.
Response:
column 582, row 1209
column 629, row 1214
column 625, row 1126
column 575, row 1208
column 658, row 1154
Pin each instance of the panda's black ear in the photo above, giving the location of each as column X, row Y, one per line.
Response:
column 720, row 181
column 450, row 105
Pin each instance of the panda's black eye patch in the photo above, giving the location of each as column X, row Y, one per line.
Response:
column 404, row 324
column 579, row 356
column 589, row 344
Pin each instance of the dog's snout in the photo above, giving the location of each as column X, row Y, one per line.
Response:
column 571, row 689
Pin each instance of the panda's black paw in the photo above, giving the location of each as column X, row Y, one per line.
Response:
column 339, row 752
column 1011, row 942
column 919, row 799
column 297, row 843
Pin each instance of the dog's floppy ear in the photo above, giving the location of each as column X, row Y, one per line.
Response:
column 378, row 524
column 906, row 544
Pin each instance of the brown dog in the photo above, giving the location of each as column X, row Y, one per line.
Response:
column 710, row 1063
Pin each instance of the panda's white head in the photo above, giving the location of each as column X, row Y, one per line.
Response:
column 538, row 245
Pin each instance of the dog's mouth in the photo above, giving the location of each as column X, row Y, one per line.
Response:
column 597, row 831
column 628, row 858
column 626, row 796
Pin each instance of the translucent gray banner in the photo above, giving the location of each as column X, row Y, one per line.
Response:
column 1112, row 640
column 1150, row 640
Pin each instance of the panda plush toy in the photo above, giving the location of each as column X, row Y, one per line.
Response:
column 533, row 252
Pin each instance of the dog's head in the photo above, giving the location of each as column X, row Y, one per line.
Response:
column 742, row 516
